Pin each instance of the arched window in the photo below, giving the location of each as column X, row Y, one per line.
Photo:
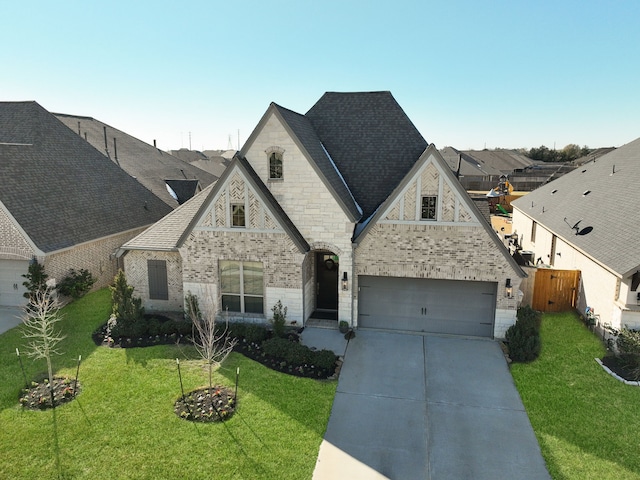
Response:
column 275, row 166
column 274, row 155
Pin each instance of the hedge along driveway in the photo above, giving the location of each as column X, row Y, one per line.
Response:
column 587, row 422
column 122, row 425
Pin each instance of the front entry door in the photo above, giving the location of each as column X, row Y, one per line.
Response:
column 327, row 281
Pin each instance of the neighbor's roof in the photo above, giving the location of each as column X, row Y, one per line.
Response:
column 165, row 234
column 149, row 165
column 60, row 189
column 601, row 196
column 469, row 166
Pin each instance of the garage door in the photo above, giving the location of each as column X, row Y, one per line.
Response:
column 425, row 305
column 11, row 288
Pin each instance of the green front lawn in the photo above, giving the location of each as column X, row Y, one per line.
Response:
column 122, row 424
column 587, row 423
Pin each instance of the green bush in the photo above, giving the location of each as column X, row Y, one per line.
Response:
column 251, row 332
column 523, row 338
column 298, row 354
column 279, row 319
column 290, row 352
column 324, row 359
column 127, row 309
column 36, row 279
column 76, row 284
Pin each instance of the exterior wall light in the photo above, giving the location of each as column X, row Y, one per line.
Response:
column 345, row 282
column 508, row 291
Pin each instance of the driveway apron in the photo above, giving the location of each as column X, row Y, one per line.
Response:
column 427, row 407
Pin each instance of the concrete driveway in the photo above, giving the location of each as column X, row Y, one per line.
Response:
column 9, row 318
column 427, row 407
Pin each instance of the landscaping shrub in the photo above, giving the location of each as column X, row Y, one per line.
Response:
column 36, row 279
column 290, row 352
column 523, row 338
column 251, row 332
column 279, row 319
column 76, row 284
column 324, row 359
column 126, row 308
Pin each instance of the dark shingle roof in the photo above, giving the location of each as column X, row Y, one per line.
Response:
column 60, row 189
column 370, row 139
column 303, row 130
column 149, row 165
column 608, row 214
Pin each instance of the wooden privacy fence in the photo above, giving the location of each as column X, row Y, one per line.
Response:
column 555, row 290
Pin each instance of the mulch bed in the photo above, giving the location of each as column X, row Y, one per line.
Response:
column 618, row 365
column 252, row 350
column 38, row 395
column 215, row 404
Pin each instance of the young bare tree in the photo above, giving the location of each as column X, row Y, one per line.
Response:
column 210, row 339
column 39, row 319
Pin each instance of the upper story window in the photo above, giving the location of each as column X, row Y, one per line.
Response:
column 237, row 215
column 429, row 207
column 275, row 166
column 275, row 155
column 533, row 232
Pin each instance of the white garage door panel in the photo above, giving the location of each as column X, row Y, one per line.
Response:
column 425, row 305
column 11, row 279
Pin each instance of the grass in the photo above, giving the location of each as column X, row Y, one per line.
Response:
column 587, row 422
column 122, row 424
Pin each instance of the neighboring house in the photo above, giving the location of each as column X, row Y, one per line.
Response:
column 480, row 170
column 587, row 220
column 171, row 179
column 62, row 202
column 211, row 161
column 343, row 213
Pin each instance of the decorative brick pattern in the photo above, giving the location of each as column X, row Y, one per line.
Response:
column 208, row 221
column 255, row 211
column 463, row 214
column 236, row 189
column 448, row 204
column 394, row 213
column 221, row 209
column 410, row 203
column 429, row 180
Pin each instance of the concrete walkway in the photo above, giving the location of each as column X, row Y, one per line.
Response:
column 427, row 407
column 9, row 318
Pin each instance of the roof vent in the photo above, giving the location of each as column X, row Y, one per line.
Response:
column 584, row 170
column 554, row 191
column 586, row 192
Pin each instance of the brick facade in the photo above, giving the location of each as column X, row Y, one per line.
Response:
column 135, row 266
column 13, row 244
column 98, row 257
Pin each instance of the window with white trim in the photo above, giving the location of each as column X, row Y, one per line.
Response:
column 429, row 207
column 241, row 285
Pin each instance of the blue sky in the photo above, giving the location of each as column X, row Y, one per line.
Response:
column 469, row 74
